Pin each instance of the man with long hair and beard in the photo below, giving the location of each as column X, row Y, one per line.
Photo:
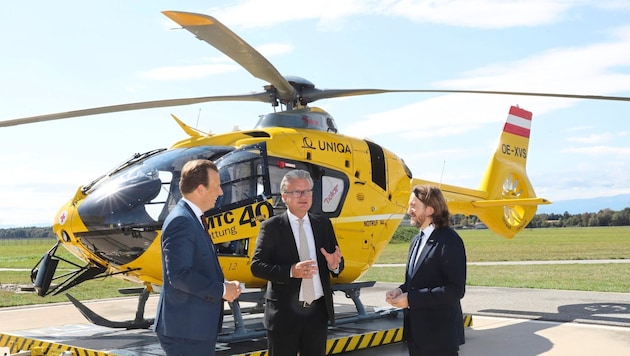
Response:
column 435, row 279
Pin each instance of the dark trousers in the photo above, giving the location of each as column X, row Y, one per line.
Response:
column 308, row 338
column 414, row 350
column 174, row 346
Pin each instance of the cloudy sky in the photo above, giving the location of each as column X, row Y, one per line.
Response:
column 69, row 55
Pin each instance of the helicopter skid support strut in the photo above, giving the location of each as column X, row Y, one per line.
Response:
column 138, row 323
column 240, row 332
column 351, row 290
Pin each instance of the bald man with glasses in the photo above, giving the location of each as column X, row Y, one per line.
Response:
column 297, row 252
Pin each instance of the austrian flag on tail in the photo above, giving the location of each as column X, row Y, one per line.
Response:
column 519, row 122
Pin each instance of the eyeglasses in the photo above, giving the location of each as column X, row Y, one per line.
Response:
column 300, row 193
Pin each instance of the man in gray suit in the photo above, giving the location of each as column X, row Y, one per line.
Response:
column 190, row 308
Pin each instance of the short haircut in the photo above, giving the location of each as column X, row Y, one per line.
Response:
column 292, row 175
column 195, row 172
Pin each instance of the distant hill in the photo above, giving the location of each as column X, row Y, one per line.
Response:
column 591, row 205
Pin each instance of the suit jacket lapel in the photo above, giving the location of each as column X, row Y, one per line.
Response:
column 316, row 233
column 205, row 234
column 425, row 251
column 192, row 213
column 288, row 235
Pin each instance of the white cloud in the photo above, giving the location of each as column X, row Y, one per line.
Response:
column 553, row 71
column 483, row 13
column 275, row 49
column 490, row 14
column 255, row 14
column 591, row 139
column 592, row 69
column 601, row 150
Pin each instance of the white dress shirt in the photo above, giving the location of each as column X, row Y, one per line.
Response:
column 295, row 226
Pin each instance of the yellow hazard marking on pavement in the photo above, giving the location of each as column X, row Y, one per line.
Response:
column 468, row 321
column 44, row 348
column 353, row 342
column 333, row 346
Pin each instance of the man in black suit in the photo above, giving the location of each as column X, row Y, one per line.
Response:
column 435, row 279
column 298, row 301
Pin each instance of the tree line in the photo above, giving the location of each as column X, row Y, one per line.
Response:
column 27, row 233
column 605, row 217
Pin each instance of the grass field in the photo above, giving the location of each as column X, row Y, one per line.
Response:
column 25, row 254
column 597, row 243
column 481, row 246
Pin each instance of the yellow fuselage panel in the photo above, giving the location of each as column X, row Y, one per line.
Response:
column 370, row 214
column 364, row 227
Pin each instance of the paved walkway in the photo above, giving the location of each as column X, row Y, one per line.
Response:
column 509, row 263
column 506, row 321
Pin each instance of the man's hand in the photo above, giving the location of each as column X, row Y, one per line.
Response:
column 304, row 269
column 333, row 259
column 232, row 290
column 397, row 298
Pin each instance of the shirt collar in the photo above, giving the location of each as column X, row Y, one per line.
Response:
column 295, row 219
column 195, row 208
column 428, row 230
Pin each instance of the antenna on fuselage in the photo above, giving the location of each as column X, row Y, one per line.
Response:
column 198, row 116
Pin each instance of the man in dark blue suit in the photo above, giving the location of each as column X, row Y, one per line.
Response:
column 435, row 279
column 298, row 301
column 190, row 308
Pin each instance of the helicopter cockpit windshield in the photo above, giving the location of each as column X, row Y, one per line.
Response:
column 143, row 193
column 123, row 210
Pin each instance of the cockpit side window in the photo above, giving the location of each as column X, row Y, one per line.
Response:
column 329, row 187
column 242, row 178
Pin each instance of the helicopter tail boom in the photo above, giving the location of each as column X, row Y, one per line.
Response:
column 505, row 201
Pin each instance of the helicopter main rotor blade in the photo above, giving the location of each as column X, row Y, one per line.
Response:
column 309, row 96
column 314, row 94
column 264, row 97
column 210, row 30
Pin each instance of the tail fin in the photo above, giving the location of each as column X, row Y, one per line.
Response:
column 505, row 201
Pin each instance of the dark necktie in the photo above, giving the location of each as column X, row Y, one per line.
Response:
column 204, row 221
column 415, row 251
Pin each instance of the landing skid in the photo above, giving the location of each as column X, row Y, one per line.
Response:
column 240, row 332
column 138, row 323
column 353, row 291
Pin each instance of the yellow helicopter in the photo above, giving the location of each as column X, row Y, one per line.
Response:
column 113, row 223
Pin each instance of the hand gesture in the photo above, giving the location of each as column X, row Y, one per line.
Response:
column 333, row 259
column 304, row 269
